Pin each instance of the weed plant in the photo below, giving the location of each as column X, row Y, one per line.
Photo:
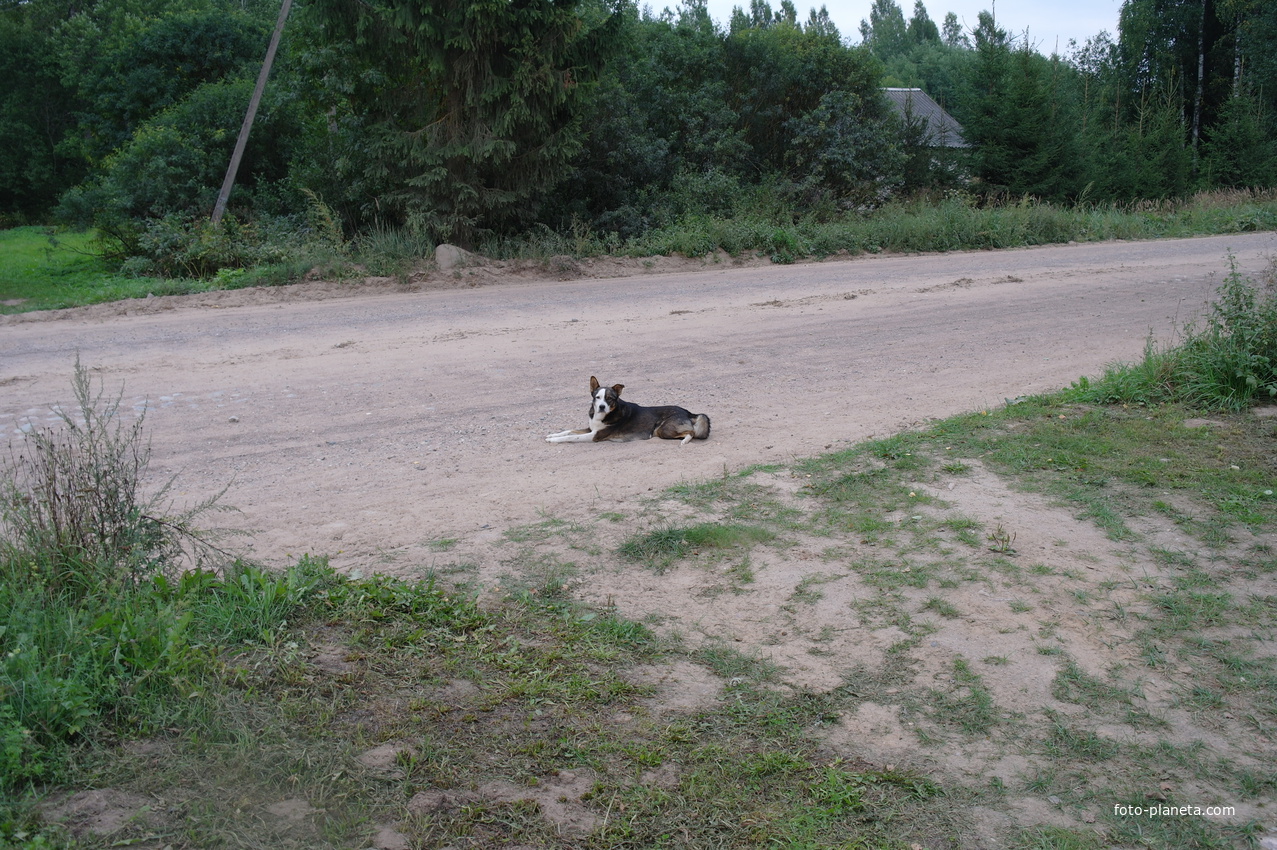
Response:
column 1226, row 362
column 111, row 600
column 73, row 510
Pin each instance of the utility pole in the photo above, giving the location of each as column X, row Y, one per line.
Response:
column 240, row 143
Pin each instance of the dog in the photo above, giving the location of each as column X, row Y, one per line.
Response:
column 612, row 418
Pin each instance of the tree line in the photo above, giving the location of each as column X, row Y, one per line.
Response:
column 467, row 120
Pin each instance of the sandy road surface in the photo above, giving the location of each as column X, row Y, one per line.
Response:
column 358, row 425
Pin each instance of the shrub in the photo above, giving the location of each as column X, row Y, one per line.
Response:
column 72, row 506
column 1224, row 363
column 1233, row 358
column 114, row 607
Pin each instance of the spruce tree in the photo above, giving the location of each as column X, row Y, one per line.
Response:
column 466, row 111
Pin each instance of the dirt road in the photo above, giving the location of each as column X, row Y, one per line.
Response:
column 358, row 425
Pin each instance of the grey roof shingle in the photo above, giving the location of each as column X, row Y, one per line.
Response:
column 942, row 130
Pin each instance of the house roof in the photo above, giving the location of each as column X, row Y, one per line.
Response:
column 942, row 130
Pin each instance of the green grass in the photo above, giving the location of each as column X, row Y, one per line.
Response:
column 661, row 547
column 43, row 275
column 955, row 223
column 44, row 269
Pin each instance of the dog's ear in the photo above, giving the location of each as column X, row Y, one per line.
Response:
column 594, row 385
column 616, row 388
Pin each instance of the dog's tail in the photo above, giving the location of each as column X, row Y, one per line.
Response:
column 700, row 426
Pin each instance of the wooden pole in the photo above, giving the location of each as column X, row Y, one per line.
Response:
column 242, row 142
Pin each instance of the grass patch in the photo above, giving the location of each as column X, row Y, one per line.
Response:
column 270, row 253
column 1075, row 685
column 46, row 269
column 661, row 547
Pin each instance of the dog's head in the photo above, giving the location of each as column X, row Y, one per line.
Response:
column 603, row 399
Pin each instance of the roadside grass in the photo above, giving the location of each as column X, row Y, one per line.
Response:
column 46, row 269
column 1204, row 620
column 274, row 750
column 43, row 268
column 659, row 548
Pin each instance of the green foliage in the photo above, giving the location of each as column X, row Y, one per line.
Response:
column 661, row 547
column 843, row 148
column 35, row 113
column 1226, row 362
column 781, row 73
column 161, row 65
column 102, row 624
column 1241, row 151
column 886, row 33
column 466, row 113
column 72, row 507
column 184, row 245
column 495, row 124
column 173, row 166
column 1232, row 359
column 1021, row 131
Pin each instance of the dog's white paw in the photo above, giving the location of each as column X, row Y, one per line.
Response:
column 570, row 437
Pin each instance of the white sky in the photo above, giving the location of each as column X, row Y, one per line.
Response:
column 1046, row 20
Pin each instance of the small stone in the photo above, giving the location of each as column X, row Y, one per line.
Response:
column 389, row 838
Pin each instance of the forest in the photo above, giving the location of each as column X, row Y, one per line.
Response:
column 480, row 121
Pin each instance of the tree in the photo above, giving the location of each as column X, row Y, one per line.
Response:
column 172, row 165
column 1019, row 121
column 157, row 66
column 660, row 122
column 1179, row 46
column 1240, row 153
column 952, row 34
column 466, row 113
column 885, row 33
column 782, row 72
column 921, row 28
column 1254, row 31
column 36, row 113
column 844, row 149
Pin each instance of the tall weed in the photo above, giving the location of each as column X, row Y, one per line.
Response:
column 113, row 603
column 1233, row 358
column 73, row 509
column 1225, row 362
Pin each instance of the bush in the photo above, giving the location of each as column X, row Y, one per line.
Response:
column 1233, row 359
column 72, row 507
column 1223, row 364
column 89, row 633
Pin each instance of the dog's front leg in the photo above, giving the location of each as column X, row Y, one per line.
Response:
column 583, row 435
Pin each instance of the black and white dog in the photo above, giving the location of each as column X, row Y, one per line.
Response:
column 614, row 419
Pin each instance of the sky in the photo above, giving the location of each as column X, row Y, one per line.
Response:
column 1045, row 20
